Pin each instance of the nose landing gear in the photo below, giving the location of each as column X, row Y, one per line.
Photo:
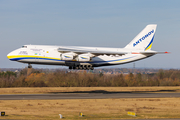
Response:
column 29, row 65
column 29, row 71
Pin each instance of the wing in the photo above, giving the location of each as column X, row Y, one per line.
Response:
column 93, row 51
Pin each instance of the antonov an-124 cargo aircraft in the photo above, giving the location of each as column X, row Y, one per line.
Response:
column 85, row 58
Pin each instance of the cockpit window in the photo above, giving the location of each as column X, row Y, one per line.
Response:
column 24, row 46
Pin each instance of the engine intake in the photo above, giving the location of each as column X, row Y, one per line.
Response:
column 66, row 57
column 83, row 58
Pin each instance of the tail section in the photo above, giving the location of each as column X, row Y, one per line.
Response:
column 143, row 41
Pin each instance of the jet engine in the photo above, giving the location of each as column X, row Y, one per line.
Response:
column 66, row 57
column 83, row 58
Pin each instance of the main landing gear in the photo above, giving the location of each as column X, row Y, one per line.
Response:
column 82, row 67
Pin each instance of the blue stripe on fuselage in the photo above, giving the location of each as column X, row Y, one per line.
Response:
column 36, row 58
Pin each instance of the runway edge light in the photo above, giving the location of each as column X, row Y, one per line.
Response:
column 2, row 114
column 132, row 114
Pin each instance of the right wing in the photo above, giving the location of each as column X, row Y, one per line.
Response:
column 94, row 51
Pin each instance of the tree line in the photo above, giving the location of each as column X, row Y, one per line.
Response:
column 60, row 78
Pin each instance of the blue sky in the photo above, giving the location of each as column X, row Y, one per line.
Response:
column 103, row 23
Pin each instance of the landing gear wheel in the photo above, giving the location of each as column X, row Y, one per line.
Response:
column 80, row 67
column 29, row 66
column 92, row 68
column 77, row 68
column 70, row 67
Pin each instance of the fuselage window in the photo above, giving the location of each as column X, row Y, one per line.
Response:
column 24, row 46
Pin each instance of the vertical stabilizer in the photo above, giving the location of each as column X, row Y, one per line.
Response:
column 144, row 40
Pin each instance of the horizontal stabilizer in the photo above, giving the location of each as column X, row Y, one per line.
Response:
column 150, row 52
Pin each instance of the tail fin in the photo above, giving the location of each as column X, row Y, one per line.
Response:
column 144, row 40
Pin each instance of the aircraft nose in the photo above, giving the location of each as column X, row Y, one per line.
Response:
column 10, row 55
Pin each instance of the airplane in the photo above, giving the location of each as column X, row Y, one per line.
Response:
column 86, row 58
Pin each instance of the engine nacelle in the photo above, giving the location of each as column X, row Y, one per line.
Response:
column 66, row 57
column 83, row 58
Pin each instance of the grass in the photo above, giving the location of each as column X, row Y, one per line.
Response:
column 41, row 90
column 91, row 108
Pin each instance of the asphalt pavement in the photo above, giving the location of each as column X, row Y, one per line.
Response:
column 86, row 96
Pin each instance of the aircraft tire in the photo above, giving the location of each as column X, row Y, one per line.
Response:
column 92, row 68
column 80, row 67
column 76, row 67
column 29, row 66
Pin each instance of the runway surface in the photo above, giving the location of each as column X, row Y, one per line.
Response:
column 86, row 96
